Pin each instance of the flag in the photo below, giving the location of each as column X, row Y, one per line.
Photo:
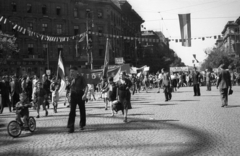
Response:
column 185, row 28
column 106, row 60
column 82, row 37
column 60, row 70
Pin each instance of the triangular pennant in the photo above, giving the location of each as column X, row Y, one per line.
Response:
column 15, row 26
column 1, row 18
column 5, row 20
column 24, row 31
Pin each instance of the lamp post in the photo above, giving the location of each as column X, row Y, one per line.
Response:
column 89, row 49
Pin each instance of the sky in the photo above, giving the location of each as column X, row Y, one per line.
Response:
column 208, row 18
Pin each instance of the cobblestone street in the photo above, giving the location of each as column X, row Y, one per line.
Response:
column 186, row 125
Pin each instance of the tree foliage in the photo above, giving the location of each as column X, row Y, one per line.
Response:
column 7, row 46
column 216, row 57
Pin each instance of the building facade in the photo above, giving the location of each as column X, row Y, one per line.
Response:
column 66, row 18
column 231, row 38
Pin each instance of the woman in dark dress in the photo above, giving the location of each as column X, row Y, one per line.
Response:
column 124, row 94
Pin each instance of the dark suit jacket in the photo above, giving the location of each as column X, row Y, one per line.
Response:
column 224, row 80
column 15, row 87
column 196, row 77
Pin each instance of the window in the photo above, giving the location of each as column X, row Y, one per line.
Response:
column 44, row 10
column 44, row 27
column 14, row 7
column 30, row 49
column 60, row 49
column 45, row 50
column 59, row 29
column 88, row 13
column 75, row 12
column 29, row 8
column 58, row 11
column 100, row 30
column 30, row 26
column 100, row 14
column 1, row 53
column 15, row 32
column 45, row 46
column 100, row 52
column 76, row 28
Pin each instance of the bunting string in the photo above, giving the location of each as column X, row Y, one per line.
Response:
column 80, row 37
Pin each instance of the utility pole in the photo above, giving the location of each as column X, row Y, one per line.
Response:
column 47, row 56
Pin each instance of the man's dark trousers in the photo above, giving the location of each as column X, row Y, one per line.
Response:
column 224, row 96
column 76, row 98
column 14, row 99
column 196, row 90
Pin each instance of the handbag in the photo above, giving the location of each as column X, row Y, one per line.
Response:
column 230, row 92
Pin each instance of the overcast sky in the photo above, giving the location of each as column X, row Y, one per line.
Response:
column 208, row 18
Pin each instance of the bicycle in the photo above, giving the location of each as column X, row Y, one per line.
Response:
column 15, row 128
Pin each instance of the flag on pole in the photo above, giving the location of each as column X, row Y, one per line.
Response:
column 61, row 71
column 185, row 28
column 106, row 60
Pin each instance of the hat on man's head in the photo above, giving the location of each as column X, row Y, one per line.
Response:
column 73, row 68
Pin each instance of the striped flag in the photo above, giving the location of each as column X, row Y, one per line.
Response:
column 60, row 70
column 185, row 28
column 106, row 60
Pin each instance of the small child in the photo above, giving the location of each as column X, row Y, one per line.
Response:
column 55, row 95
column 22, row 110
column 40, row 96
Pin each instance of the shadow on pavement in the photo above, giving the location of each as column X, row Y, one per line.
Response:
column 198, row 140
column 185, row 100
column 232, row 106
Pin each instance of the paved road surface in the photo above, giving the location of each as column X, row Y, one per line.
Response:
column 184, row 126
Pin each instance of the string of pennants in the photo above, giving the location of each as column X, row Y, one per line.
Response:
column 202, row 38
column 81, row 37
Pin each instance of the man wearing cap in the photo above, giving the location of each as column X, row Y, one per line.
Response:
column 224, row 82
column 78, row 93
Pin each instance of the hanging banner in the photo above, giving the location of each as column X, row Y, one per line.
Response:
column 185, row 28
column 94, row 76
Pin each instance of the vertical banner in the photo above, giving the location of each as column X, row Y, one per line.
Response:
column 185, row 28
column 106, row 60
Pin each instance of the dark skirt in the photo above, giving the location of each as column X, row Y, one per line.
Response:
column 174, row 83
column 112, row 96
column 125, row 99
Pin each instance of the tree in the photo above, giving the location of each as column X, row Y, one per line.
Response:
column 7, row 46
column 216, row 57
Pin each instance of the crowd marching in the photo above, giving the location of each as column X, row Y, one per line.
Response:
column 116, row 95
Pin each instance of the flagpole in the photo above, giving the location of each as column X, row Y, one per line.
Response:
column 57, row 65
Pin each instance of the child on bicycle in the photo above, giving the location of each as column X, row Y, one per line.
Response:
column 22, row 110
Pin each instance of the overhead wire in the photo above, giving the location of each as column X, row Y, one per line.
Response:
column 181, row 7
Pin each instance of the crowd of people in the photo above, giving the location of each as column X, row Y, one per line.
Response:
column 116, row 95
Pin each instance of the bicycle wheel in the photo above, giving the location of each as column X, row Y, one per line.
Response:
column 14, row 129
column 31, row 124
